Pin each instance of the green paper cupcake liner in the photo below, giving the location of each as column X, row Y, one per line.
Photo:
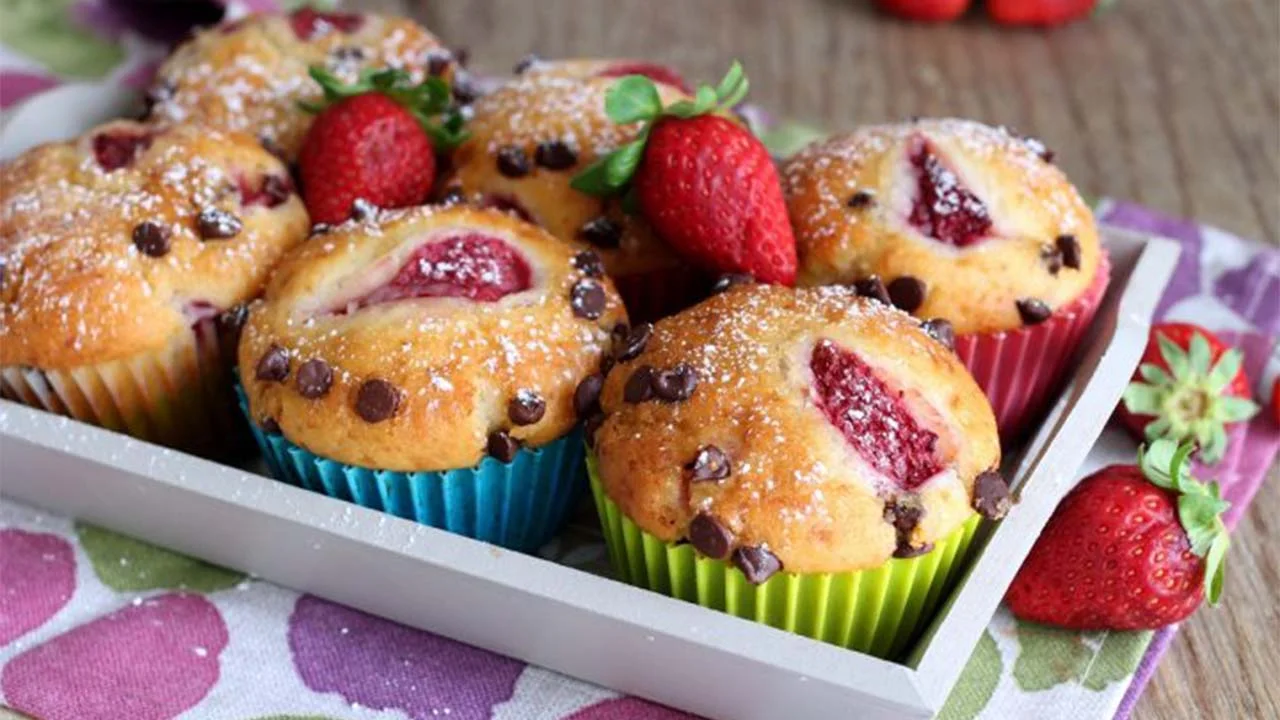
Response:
column 880, row 611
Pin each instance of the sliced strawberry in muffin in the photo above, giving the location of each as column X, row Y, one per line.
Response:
column 307, row 23
column 653, row 71
column 473, row 266
column 117, row 148
column 943, row 208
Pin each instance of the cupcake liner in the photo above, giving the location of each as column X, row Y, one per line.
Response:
column 879, row 611
column 178, row 395
column 655, row 294
column 1022, row 370
column 519, row 505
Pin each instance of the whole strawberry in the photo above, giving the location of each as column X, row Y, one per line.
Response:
column 703, row 181
column 374, row 140
column 1130, row 548
column 925, row 10
column 1189, row 386
column 1042, row 13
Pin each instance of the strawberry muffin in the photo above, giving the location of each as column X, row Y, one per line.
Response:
column 585, row 68
column 250, row 74
column 424, row 362
column 530, row 138
column 807, row 458
column 968, row 226
column 124, row 256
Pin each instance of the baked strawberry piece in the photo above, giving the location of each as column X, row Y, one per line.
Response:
column 1130, row 548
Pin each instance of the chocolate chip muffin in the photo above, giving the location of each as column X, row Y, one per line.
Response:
column 123, row 257
column 967, row 225
column 770, row 439
column 530, row 138
column 424, row 362
column 250, row 74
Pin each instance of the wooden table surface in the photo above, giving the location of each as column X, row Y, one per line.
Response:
column 1168, row 103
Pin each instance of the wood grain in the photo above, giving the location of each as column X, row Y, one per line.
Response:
column 1171, row 104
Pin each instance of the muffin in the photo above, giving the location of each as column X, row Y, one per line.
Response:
column 603, row 68
column 967, row 225
column 424, row 362
column 251, row 73
column 530, row 138
column 123, row 257
column 806, row 458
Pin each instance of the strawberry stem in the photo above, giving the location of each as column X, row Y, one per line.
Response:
column 430, row 102
column 635, row 98
column 1167, row 464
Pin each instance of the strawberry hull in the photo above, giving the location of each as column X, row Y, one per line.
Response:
column 1022, row 370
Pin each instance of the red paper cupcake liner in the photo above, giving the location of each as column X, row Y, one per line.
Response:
column 655, row 294
column 1022, row 370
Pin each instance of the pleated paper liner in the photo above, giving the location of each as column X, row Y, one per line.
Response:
column 1022, row 370
column 879, row 612
column 519, row 505
column 178, row 396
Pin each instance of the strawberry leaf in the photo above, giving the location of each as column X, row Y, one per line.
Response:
column 704, row 100
column 1237, row 409
column 632, row 99
column 594, row 179
column 1199, row 355
column 1173, row 355
column 1215, row 566
column 1198, row 515
column 623, row 163
column 730, row 83
column 1225, row 370
column 1154, row 374
column 1141, row 399
column 631, row 201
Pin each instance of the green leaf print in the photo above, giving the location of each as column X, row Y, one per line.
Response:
column 44, row 31
column 1117, row 658
column 977, row 683
column 1048, row 657
column 785, row 138
column 127, row 565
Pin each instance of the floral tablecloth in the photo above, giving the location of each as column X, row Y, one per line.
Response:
column 97, row 625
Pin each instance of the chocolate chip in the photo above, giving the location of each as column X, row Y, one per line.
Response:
column 344, row 54
column 555, row 155
column 907, row 293
column 1052, row 258
column 676, row 384
column 1038, row 147
column 756, row 563
column 991, row 495
column 601, row 232
column 709, row 464
column 619, row 334
column 269, row 426
column 590, row 427
column 861, row 199
column 230, row 323
column 464, row 89
column 438, row 61
column 731, row 280
column 606, row 363
column 217, row 224
column 501, row 446
column 639, row 386
column 910, row 551
column 276, row 189
column 1033, row 311
column 586, row 397
column 512, row 161
column 273, row 366
column 587, row 299
column 377, row 400
column 526, row 408
column 525, row 63
column 362, row 210
column 453, row 196
column 589, row 263
column 872, row 287
column 151, row 238
column 462, row 55
column 1069, row 246
column 315, row 377
column 709, row 536
column 269, row 144
column 634, row 343
column 904, row 513
column 942, row 331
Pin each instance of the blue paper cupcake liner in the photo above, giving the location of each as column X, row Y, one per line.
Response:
column 518, row 505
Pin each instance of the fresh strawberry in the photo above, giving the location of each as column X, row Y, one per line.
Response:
column 1130, row 548
column 374, row 140
column 925, row 10
column 1042, row 13
column 702, row 180
column 1189, row 386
